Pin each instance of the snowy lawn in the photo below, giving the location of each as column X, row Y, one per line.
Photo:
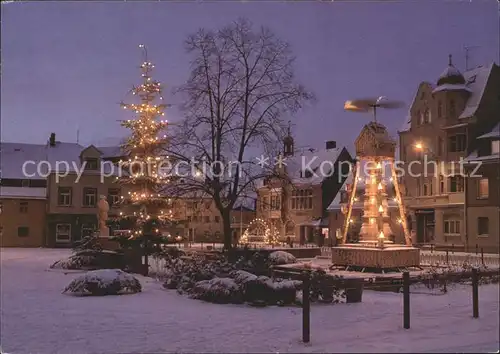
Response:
column 37, row 318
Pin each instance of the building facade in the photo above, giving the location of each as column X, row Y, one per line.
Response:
column 74, row 190
column 294, row 203
column 49, row 192
column 22, row 197
column 442, row 129
column 483, row 193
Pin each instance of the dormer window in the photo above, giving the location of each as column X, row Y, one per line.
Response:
column 91, row 164
column 471, row 80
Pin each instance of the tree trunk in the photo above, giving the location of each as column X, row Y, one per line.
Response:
column 228, row 236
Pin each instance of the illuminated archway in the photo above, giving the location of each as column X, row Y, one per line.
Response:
column 259, row 231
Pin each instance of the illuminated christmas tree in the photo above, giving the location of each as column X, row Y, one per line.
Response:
column 145, row 211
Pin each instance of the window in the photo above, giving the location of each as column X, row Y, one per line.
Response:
column 23, row 207
column 23, row 231
column 426, row 117
column 456, row 184
column 89, row 197
column 452, row 227
column 440, row 146
column 457, row 143
column 482, row 226
column 440, row 109
column 265, row 203
column 189, row 218
column 217, row 218
column 471, row 80
column 419, row 117
column 275, row 202
column 63, row 232
column 91, row 164
column 195, row 218
column 301, row 199
column 441, row 184
column 64, row 196
column 207, row 219
column 482, row 188
column 495, row 147
column 87, row 230
column 452, row 109
column 426, row 189
column 25, row 183
column 113, row 196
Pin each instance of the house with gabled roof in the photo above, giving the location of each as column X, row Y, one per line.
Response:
column 295, row 204
column 446, row 124
column 49, row 192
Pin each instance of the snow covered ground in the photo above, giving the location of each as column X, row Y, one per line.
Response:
column 37, row 318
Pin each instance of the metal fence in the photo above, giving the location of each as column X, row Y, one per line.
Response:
column 446, row 258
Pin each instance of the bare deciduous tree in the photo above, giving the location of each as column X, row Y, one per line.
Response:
column 239, row 95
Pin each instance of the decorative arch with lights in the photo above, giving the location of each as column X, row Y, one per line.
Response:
column 259, row 229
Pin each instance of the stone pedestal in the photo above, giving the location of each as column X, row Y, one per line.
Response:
column 373, row 257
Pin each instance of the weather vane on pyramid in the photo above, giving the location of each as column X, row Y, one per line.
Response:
column 371, row 104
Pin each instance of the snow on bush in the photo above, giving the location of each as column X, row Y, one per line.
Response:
column 74, row 262
column 281, row 257
column 241, row 277
column 218, row 290
column 104, row 282
column 91, row 259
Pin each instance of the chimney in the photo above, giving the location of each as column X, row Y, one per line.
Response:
column 332, row 144
column 52, row 139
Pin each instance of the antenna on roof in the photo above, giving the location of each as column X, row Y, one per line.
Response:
column 78, row 135
column 467, row 57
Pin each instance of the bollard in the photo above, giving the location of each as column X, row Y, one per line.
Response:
column 306, row 308
column 406, row 300
column 475, row 293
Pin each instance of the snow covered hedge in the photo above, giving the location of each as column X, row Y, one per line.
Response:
column 90, row 260
column 220, row 281
column 104, row 282
column 218, row 290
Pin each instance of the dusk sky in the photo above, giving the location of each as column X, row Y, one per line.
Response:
column 66, row 66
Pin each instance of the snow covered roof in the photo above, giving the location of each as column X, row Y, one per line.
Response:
column 61, row 157
column 320, row 162
column 494, row 133
column 450, row 75
column 476, row 80
column 452, row 87
column 488, row 158
column 111, row 151
column 23, row 192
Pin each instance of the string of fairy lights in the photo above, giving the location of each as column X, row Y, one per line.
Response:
column 144, row 144
column 270, row 236
column 375, row 201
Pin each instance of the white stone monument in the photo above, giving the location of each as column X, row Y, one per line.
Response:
column 103, row 216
